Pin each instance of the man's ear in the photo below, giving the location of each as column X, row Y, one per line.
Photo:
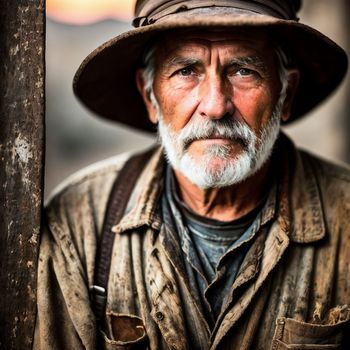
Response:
column 293, row 82
column 151, row 109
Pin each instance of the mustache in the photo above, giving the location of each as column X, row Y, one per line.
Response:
column 227, row 127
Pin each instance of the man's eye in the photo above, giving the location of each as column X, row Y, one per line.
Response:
column 244, row 72
column 185, row 72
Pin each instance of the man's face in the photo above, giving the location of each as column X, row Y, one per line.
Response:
column 215, row 98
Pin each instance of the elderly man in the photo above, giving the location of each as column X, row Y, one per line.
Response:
column 227, row 236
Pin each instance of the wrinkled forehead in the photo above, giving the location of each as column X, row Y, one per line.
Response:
column 251, row 39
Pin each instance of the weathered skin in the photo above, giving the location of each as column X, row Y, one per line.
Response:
column 293, row 286
column 209, row 75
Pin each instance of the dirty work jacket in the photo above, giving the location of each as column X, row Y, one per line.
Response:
column 291, row 292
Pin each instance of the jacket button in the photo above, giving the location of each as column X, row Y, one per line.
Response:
column 159, row 316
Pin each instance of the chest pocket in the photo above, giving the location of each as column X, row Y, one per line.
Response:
column 126, row 332
column 297, row 335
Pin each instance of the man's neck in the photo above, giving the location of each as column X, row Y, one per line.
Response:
column 227, row 203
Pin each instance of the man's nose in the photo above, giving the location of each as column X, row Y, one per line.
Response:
column 215, row 98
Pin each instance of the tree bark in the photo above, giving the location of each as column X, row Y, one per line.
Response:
column 22, row 84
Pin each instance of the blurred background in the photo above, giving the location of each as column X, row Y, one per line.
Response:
column 75, row 137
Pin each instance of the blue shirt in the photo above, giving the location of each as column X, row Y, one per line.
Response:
column 213, row 250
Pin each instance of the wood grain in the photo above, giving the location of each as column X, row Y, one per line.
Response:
column 22, row 88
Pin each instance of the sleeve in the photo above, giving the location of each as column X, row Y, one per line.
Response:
column 64, row 316
column 73, row 223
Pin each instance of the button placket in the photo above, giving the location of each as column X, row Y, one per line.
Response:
column 167, row 309
column 167, row 315
column 278, row 333
column 268, row 263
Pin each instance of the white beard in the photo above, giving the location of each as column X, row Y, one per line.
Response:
column 233, row 169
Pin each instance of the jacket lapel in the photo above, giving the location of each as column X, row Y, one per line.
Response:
column 299, row 219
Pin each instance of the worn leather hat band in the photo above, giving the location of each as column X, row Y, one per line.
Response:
column 149, row 12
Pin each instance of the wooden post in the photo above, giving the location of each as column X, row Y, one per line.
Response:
column 22, row 83
column 346, row 8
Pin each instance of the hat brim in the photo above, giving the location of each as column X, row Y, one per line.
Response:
column 105, row 81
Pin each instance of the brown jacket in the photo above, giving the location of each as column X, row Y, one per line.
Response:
column 292, row 290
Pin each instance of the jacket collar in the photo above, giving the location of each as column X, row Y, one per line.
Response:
column 300, row 213
column 306, row 216
column 142, row 208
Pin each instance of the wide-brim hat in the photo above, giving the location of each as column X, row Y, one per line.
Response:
column 105, row 81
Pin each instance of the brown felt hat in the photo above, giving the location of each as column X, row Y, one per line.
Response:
column 105, row 81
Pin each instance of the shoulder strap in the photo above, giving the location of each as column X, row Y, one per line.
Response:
column 118, row 199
